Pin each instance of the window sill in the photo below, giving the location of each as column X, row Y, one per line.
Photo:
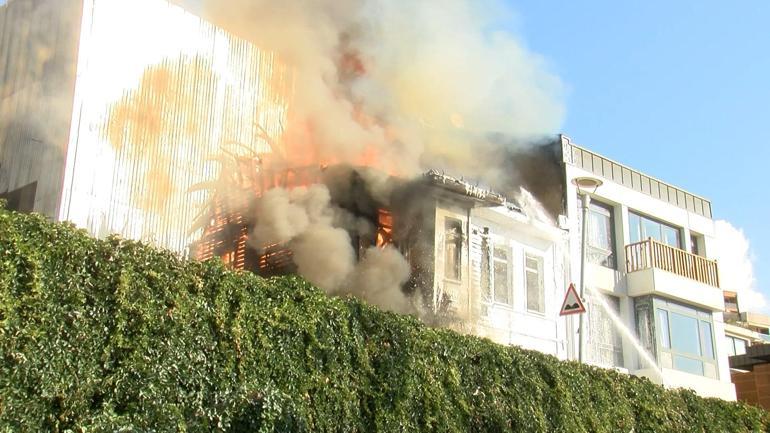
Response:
column 536, row 313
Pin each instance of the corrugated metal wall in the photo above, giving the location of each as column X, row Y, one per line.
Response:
column 38, row 53
column 635, row 180
column 161, row 97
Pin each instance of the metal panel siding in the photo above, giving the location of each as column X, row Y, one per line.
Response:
column 635, row 180
column 38, row 53
column 156, row 111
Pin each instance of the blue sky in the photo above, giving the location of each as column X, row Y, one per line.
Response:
column 679, row 90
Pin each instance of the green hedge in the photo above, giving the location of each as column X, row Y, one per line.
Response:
column 116, row 336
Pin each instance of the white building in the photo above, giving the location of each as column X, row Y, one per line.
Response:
column 497, row 271
column 649, row 258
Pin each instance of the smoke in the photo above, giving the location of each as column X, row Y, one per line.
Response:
column 318, row 235
column 533, row 208
column 399, row 86
column 402, row 85
column 736, row 267
column 284, row 215
column 378, row 279
column 324, row 256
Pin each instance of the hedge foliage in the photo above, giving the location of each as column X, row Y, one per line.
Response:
column 113, row 335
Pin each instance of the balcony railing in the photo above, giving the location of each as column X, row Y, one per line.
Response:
column 653, row 254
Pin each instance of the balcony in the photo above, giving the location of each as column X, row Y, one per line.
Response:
column 654, row 254
column 656, row 268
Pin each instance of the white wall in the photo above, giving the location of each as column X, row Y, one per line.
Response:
column 507, row 323
column 623, row 200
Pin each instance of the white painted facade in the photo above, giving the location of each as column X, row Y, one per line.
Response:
column 490, row 298
column 687, row 300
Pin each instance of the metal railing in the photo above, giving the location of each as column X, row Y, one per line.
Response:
column 653, row 254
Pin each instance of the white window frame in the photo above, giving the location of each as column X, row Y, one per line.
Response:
column 493, row 260
column 731, row 348
column 690, row 312
column 541, row 280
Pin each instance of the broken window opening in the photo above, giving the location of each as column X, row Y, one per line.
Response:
column 453, row 238
column 384, row 228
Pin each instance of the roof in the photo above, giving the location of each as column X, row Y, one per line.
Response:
column 463, row 187
column 633, row 179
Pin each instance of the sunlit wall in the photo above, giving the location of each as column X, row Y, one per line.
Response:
column 161, row 97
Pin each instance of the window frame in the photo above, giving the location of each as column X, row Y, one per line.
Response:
column 596, row 207
column 641, row 234
column 701, row 317
column 731, row 340
column 508, row 272
column 540, row 259
column 596, row 313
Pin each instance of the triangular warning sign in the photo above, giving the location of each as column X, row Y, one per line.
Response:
column 572, row 303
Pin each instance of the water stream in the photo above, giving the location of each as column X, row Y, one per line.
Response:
column 646, row 357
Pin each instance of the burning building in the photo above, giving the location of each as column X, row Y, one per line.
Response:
column 141, row 119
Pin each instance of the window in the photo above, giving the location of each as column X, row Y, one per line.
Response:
column 533, row 269
column 735, row 346
column 694, row 244
column 606, row 342
column 500, row 275
column 22, row 199
column 643, row 228
column 601, row 235
column 453, row 247
column 687, row 335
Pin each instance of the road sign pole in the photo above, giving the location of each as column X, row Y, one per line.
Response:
column 583, row 254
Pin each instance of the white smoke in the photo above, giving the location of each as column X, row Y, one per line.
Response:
column 406, row 82
column 398, row 85
column 533, row 208
column 736, row 267
column 317, row 234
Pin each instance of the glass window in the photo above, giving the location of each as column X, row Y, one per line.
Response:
column 688, row 365
column 685, row 337
column 644, row 328
column 687, row 334
column 735, row 346
column 665, row 338
column 670, row 236
column 643, row 228
column 606, row 342
column 635, row 227
column 730, row 345
column 534, row 281
column 453, row 240
column 740, row 346
column 500, row 276
column 706, row 338
column 601, row 235
column 694, row 248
